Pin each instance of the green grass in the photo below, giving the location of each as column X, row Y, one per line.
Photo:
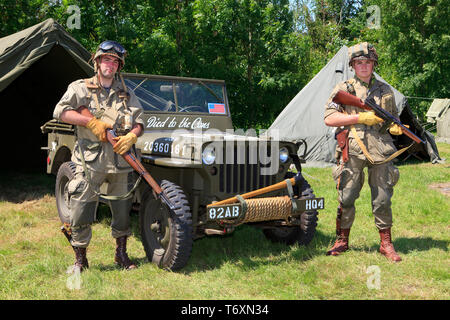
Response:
column 34, row 255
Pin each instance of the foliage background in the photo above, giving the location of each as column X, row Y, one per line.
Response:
column 266, row 50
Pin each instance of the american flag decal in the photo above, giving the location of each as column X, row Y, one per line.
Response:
column 216, row 108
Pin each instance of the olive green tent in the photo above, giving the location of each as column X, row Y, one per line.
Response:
column 36, row 65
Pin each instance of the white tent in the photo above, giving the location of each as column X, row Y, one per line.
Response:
column 439, row 113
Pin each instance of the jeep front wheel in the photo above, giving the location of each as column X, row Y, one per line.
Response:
column 65, row 173
column 302, row 234
column 166, row 236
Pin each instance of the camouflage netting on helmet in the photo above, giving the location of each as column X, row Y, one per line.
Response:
column 362, row 50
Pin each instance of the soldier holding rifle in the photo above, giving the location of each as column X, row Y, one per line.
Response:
column 360, row 145
column 97, row 161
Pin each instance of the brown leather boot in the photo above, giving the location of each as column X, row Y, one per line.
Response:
column 121, row 257
column 81, row 261
column 341, row 244
column 386, row 246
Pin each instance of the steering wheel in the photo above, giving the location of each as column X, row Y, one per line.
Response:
column 169, row 106
column 191, row 109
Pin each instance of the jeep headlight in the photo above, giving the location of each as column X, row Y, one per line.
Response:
column 209, row 155
column 284, row 155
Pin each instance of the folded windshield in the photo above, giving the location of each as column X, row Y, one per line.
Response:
column 179, row 96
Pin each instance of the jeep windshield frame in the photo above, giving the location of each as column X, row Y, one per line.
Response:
column 167, row 94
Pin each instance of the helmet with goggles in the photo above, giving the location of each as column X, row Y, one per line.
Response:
column 362, row 51
column 110, row 48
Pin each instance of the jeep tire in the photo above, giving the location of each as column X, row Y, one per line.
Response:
column 66, row 172
column 167, row 238
column 302, row 234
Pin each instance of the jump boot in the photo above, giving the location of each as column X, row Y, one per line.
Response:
column 81, row 261
column 341, row 244
column 121, row 257
column 386, row 246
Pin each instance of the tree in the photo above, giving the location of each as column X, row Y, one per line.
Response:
column 414, row 43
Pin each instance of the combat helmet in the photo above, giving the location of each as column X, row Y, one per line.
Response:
column 361, row 51
column 111, row 48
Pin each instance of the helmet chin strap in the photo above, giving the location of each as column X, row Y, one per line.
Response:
column 117, row 74
column 95, row 62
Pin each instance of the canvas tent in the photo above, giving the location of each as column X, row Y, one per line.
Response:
column 302, row 118
column 36, row 66
column 439, row 114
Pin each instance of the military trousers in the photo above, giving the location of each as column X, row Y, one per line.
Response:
column 84, row 200
column 349, row 178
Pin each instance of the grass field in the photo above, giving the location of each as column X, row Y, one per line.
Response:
column 34, row 255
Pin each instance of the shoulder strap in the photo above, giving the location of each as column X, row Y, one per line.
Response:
column 124, row 95
column 90, row 84
column 93, row 92
column 350, row 88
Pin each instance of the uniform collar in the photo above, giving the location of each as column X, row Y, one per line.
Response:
column 115, row 85
column 369, row 85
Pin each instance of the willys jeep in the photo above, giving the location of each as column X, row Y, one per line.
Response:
column 190, row 148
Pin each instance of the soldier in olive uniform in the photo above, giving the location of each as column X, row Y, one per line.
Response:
column 367, row 147
column 97, row 162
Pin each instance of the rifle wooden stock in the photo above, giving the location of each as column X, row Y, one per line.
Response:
column 346, row 98
column 134, row 163
column 343, row 97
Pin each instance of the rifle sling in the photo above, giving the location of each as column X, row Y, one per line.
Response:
column 89, row 181
column 367, row 154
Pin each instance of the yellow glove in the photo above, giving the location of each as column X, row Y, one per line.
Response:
column 396, row 130
column 98, row 128
column 369, row 118
column 124, row 143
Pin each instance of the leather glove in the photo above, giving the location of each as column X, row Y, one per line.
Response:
column 369, row 118
column 396, row 130
column 98, row 128
column 124, row 143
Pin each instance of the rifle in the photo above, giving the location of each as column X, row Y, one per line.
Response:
column 133, row 162
column 343, row 97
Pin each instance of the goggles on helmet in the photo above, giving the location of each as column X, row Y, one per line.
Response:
column 109, row 45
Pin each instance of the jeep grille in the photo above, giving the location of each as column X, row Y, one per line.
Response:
column 243, row 176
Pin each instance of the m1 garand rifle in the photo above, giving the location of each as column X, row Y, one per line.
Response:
column 344, row 97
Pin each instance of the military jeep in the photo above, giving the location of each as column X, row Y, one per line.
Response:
column 190, row 147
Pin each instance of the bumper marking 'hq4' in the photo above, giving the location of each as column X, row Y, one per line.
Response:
column 235, row 210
